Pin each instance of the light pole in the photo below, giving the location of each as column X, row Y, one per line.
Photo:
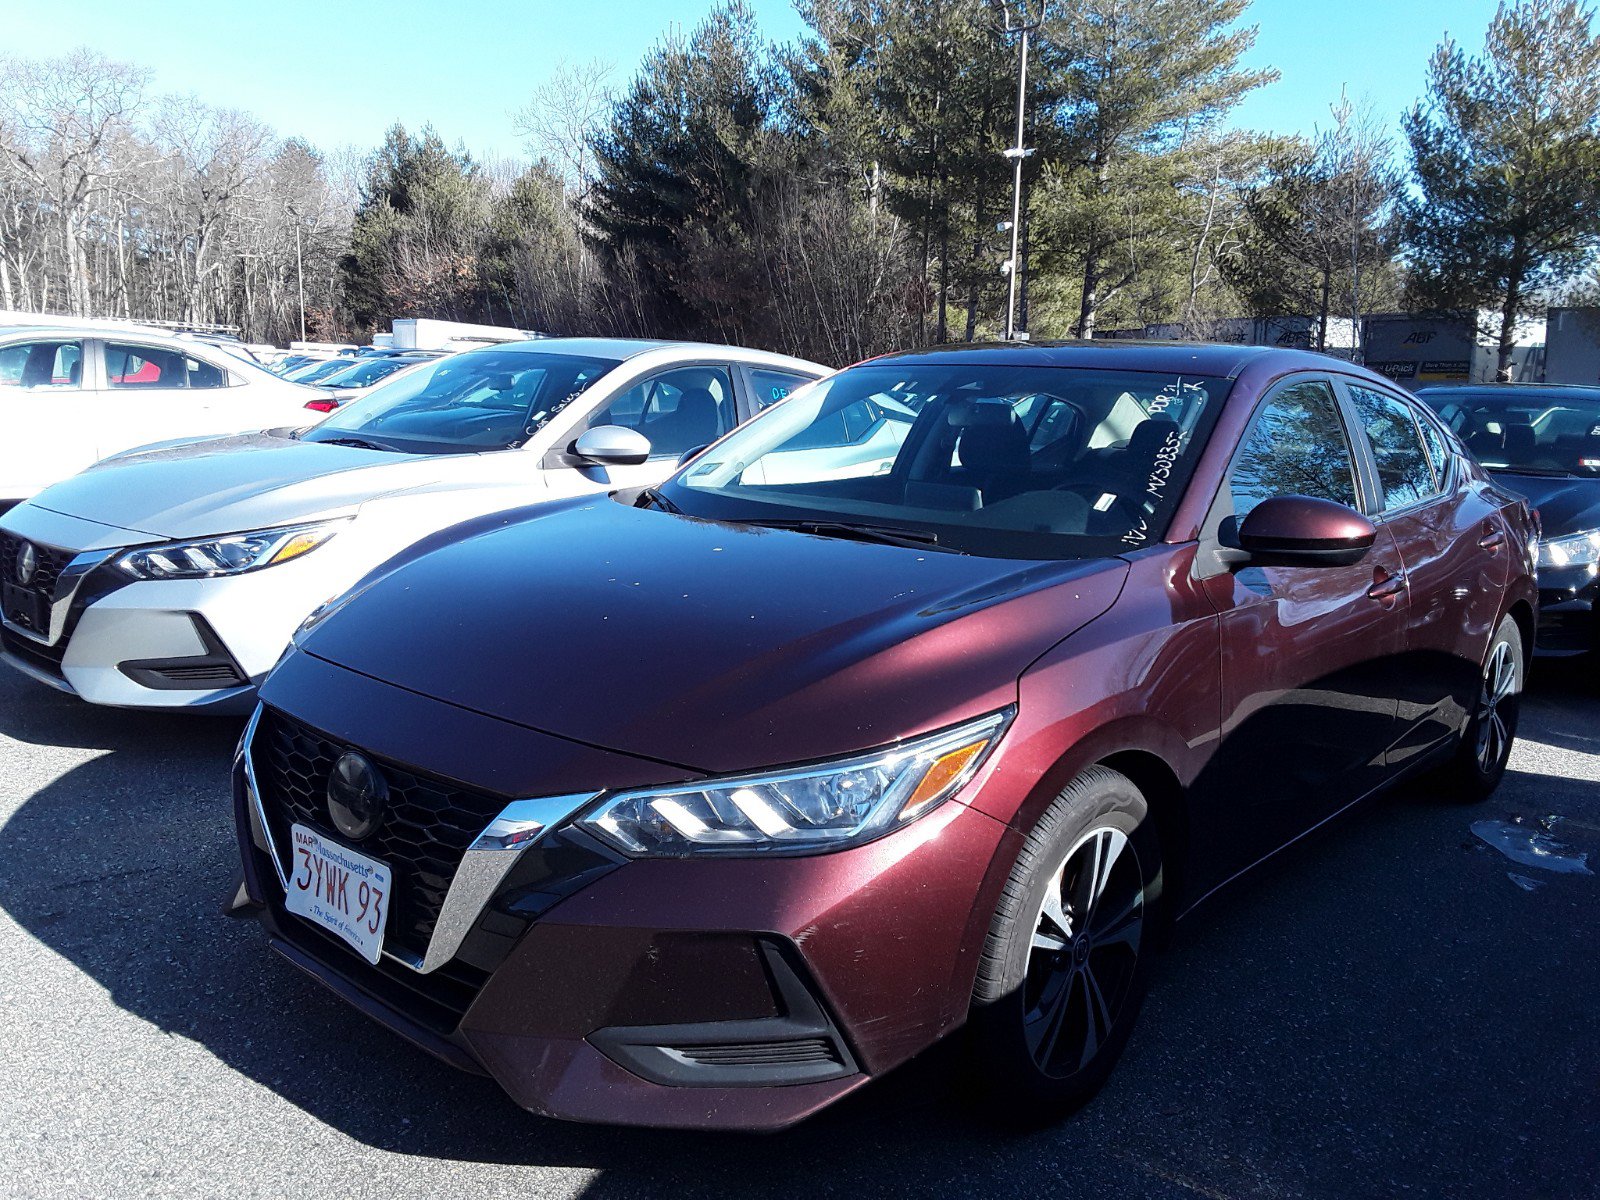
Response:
column 299, row 271
column 1016, row 153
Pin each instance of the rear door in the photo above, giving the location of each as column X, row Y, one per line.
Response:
column 149, row 397
column 1308, row 653
column 1453, row 544
column 48, row 422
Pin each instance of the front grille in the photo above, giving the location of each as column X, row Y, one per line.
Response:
column 429, row 824
column 26, row 650
column 51, row 562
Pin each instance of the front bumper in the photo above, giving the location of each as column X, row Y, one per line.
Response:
column 710, row 993
column 1568, row 623
column 195, row 644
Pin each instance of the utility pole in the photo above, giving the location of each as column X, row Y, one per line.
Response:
column 1016, row 153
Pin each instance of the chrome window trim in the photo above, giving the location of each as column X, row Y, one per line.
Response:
column 518, row 826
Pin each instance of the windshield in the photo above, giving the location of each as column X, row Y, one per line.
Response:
column 1013, row 462
column 1545, row 433
column 480, row 400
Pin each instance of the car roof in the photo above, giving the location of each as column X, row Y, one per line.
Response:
column 626, row 348
column 156, row 336
column 1199, row 358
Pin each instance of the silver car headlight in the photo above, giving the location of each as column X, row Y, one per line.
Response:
column 806, row 810
column 1573, row 550
column 231, row 554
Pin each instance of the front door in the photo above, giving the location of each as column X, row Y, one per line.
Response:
column 677, row 410
column 48, row 426
column 1307, row 653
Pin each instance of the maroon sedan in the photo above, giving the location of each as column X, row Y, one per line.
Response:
column 926, row 700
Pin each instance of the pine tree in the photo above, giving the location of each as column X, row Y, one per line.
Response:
column 1506, row 147
column 1142, row 87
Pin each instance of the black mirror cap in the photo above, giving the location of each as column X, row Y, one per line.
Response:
column 1305, row 531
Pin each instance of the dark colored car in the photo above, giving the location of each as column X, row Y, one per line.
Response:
column 1543, row 442
column 778, row 779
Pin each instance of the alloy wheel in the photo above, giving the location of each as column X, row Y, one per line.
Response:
column 1085, row 949
column 1495, row 698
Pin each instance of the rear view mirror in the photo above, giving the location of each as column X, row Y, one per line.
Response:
column 1304, row 531
column 692, row 452
column 611, row 446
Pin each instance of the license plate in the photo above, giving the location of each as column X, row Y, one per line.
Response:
column 344, row 892
column 25, row 608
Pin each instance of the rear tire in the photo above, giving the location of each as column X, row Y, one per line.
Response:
column 1069, row 952
column 1480, row 760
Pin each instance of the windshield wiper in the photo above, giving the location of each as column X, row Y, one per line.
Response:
column 653, row 497
column 358, row 443
column 889, row 535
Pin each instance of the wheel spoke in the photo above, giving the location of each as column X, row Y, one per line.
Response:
column 1045, row 940
column 1054, row 1017
column 1097, row 1018
column 1053, row 911
column 1125, row 926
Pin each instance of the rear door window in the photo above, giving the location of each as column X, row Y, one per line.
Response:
column 1404, row 470
column 768, row 387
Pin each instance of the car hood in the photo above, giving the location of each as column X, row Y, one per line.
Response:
column 1565, row 504
column 222, row 485
column 710, row 646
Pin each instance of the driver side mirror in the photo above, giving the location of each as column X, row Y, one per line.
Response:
column 1304, row 531
column 611, row 446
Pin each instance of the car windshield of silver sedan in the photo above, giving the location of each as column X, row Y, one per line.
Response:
column 1010, row 462
column 468, row 403
column 1527, row 433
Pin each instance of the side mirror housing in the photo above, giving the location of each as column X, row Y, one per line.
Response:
column 611, row 446
column 1304, row 531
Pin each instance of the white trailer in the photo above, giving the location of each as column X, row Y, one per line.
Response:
column 424, row 333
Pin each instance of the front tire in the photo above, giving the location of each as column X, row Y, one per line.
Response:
column 1069, row 951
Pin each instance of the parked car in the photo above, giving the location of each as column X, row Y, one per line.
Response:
column 773, row 784
column 173, row 576
column 362, row 375
column 316, row 372
column 1542, row 441
column 71, row 396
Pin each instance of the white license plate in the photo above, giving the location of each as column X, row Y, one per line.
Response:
column 344, row 892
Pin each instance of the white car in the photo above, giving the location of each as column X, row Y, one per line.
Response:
column 71, row 396
column 174, row 576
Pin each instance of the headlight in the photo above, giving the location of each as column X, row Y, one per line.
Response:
column 803, row 811
column 1574, row 550
column 230, row 555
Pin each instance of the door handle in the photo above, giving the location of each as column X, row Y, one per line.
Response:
column 1388, row 588
column 1492, row 541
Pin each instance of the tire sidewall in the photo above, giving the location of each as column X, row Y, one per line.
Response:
column 1109, row 800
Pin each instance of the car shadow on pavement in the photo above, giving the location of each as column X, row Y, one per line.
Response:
column 1379, row 1009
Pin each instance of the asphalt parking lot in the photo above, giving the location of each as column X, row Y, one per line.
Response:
column 1396, row 1008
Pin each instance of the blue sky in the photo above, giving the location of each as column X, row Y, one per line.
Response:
column 339, row 73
